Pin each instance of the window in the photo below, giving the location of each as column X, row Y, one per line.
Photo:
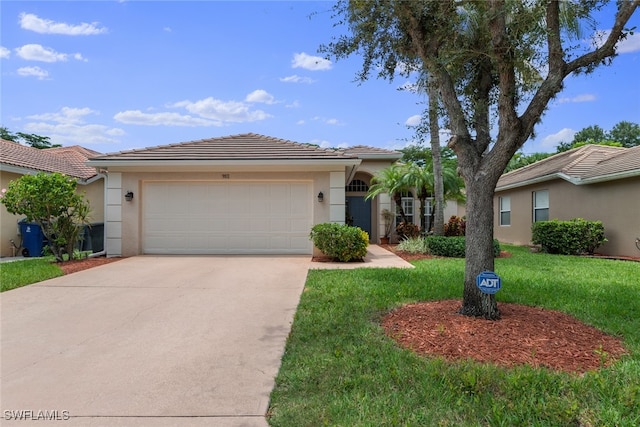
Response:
column 541, row 205
column 357, row 186
column 428, row 210
column 505, row 210
column 407, row 206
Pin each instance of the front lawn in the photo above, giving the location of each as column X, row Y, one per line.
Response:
column 24, row 272
column 339, row 368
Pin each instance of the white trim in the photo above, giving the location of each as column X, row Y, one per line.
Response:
column 136, row 163
column 572, row 180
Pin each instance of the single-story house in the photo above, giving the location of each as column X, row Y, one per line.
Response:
column 593, row 182
column 17, row 160
column 239, row 194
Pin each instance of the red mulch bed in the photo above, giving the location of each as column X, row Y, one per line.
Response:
column 75, row 265
column 524, row 335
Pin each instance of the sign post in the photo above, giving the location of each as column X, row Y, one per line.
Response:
column 488, row 282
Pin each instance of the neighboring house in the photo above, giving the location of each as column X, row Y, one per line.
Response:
column 239, row 194
column 17, row 160
column 593, row 182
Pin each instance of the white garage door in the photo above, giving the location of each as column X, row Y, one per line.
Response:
column 227, row 217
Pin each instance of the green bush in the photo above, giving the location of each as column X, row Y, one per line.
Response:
column 453, row 246
column 574, row 237
column 339, row 241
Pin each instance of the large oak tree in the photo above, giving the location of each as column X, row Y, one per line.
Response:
column 496, row 64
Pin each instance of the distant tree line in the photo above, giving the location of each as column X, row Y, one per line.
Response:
column 35, row 141
column 624, row 134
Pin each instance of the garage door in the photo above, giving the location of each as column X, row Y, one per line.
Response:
column 227, row 217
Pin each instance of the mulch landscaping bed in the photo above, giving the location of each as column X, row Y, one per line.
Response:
column 523, row 335
column 75, row 265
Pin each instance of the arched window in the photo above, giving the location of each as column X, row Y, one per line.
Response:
column 357, row 186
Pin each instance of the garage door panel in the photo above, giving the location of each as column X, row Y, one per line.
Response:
column 226, row 217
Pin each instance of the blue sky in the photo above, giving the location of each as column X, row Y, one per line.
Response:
column 116, row 75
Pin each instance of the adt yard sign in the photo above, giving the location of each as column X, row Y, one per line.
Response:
column 488, row 282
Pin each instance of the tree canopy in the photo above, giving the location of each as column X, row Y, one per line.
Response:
column 623, row 134
column 51, row 201
column 35, row 141
column 496, row 65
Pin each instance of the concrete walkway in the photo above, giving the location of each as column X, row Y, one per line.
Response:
column 377, row 257
column 153, row 341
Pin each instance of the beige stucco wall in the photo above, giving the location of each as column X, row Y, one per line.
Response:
column 615, row 203
column 94, row 192
column 124, row 227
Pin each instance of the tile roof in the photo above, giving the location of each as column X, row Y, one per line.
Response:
column 247, row 146
column 67, row 160
column 582, row 165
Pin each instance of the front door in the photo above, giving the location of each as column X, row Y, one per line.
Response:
column 359, row 210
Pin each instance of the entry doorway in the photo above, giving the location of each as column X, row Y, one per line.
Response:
column 359, row 212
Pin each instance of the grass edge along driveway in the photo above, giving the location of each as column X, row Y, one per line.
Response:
column 340, row 369
column 15, row 274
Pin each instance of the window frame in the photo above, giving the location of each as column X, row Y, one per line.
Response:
column 537, row 209
column 504, row 211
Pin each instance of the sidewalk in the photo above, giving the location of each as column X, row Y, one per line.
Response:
column 377, row 257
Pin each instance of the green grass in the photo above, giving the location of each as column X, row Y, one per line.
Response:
column 25, row 272
column 340, row 369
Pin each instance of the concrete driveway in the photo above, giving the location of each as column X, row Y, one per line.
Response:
column 149, row 341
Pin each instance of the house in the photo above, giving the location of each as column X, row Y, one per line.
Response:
column 239, row 194
column 17, row 160
column 593, row 182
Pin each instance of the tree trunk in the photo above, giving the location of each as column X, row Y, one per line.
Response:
column 438, row 185
column 479, row 249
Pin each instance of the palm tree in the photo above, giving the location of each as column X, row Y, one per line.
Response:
column 391, row 181
column 422, row 179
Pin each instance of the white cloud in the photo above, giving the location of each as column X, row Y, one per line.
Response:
column 29, row 21
column 4, row 52
column 551, row 141
column 33, row 72
column 630, row 44
column 36, row 52
column 222, row 111
column 66, row 115
column 297, row 79
column 67, row 126
column 261, row 96
column 137, row 117
column 413, row 120
column 309, row 62
column 167, row 29
column 587, row 97
column 333, row 122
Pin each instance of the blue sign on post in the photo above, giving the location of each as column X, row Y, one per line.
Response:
column 488, row 282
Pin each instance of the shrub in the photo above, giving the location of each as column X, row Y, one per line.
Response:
column 339, row 241
column 455, row 227
column 574, row 237
column 414, row 245
column 407, row 230
column 453, row 246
